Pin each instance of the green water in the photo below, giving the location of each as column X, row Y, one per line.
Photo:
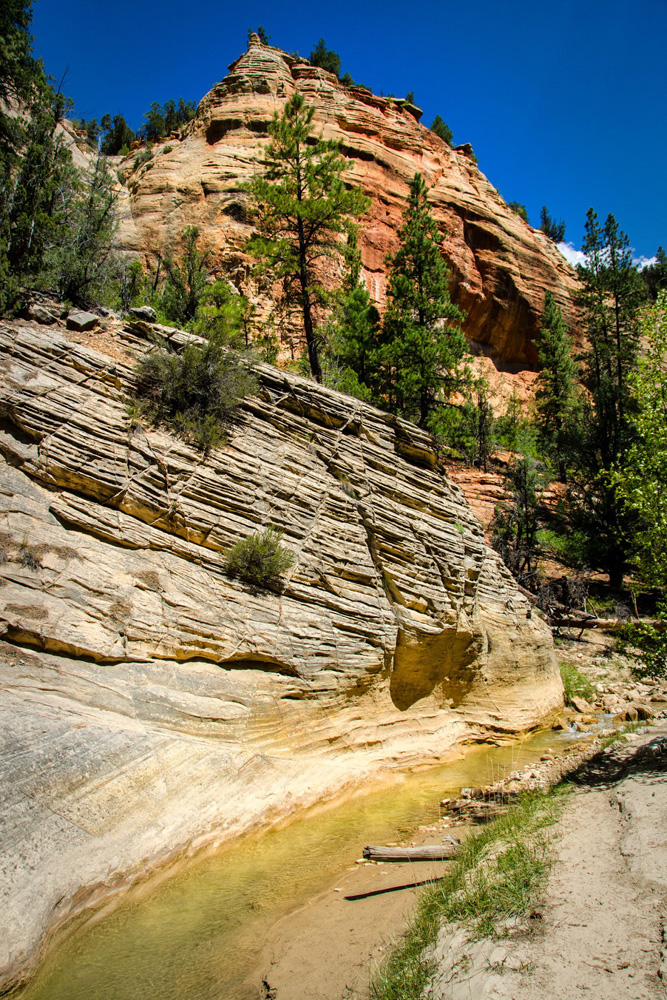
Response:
column 197, row 934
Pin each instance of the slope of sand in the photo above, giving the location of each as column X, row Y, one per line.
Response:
column 600, row 931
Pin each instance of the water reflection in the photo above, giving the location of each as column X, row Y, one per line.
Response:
column 197, row 934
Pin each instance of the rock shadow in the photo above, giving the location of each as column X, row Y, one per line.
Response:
column 425, row 661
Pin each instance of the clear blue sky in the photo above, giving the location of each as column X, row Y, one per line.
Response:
column 564, row 103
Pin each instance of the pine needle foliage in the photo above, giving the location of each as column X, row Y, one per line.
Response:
column 304, row 208
column 555, row 388
column 424, row 341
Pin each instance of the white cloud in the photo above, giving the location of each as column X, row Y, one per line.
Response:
column 574, row 257
column 571, row 254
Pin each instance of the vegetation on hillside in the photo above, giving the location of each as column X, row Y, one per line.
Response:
column 595, row 428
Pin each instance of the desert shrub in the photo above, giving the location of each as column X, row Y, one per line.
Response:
column 259, row 559
column 143, row 157
column 27, row 557
column 196, row 392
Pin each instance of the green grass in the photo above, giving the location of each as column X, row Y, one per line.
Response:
column 575, row 684
column 499, row 874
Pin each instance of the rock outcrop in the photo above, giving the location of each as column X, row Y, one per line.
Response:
column 500, row 266
column 150, row 703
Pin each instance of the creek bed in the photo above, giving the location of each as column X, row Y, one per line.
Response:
column 196, row 932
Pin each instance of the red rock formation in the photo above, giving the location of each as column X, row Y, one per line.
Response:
column 500, row 266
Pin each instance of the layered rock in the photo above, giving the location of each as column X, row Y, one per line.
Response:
column 500, row 266
column 149, row 702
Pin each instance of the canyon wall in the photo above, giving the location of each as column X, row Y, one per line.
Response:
column 500, row 266
column 149, row 702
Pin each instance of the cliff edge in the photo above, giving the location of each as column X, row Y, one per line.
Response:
column 500, row 266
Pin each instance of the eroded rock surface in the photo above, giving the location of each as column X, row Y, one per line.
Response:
column 500, row 266
column 149, row 702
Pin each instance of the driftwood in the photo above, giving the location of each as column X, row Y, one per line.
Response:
column 429, row 852
column 602, row 624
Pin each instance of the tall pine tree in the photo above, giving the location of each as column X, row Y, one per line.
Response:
column 555, row 389
column 422, row 332
column 304, row 207
column 609, row 300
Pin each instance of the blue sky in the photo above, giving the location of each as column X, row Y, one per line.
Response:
column 564, row 103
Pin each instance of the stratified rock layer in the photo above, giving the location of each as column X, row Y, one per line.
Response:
column 500, row 266
column 149, row 702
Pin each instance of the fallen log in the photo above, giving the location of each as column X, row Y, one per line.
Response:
column 428, row 852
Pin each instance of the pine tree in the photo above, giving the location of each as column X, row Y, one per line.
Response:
column 80, row 257
column 609, row 300
column 554, row 230
column 325, row 58
column 424, row 341
column 555, row 390
column 186, row 280
column 516, row 520
column 440, row 128
column 304, row 207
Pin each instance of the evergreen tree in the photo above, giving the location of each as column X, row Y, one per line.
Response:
column 519, row 210
column 163, row 119
column 655, row 275
column 325, row 58
column 35, row 197
column 355, row 336
column 555, row 389
column 261, row 34
column 554, row 230
column 423, row 338
column 80, row 257
column 641, row 479
column 440, row 128
column 118, row 135
column 303, row 208
column 186, row 280
column 609, row 301
column 516, row 520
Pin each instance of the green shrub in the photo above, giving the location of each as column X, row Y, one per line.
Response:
column 196, row 392
column 259, row 559
column 646, row 643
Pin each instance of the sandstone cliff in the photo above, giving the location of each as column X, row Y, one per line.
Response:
column 500, row 266
column 149, row 703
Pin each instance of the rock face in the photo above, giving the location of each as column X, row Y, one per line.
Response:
column 149, row 702
column 500, row 266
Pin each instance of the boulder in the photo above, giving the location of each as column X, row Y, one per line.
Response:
column 581, row 705
column 42, row 314
column 147, row 313
column 82, row 321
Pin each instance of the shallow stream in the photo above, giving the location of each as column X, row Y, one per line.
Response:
column 197, row 934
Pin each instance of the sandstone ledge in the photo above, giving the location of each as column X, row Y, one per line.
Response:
column 149, row 703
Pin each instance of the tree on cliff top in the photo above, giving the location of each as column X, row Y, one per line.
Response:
column 304, row 208
column 325, row 58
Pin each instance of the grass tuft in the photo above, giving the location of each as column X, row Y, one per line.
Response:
column 499, row 874
column 575, row 683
